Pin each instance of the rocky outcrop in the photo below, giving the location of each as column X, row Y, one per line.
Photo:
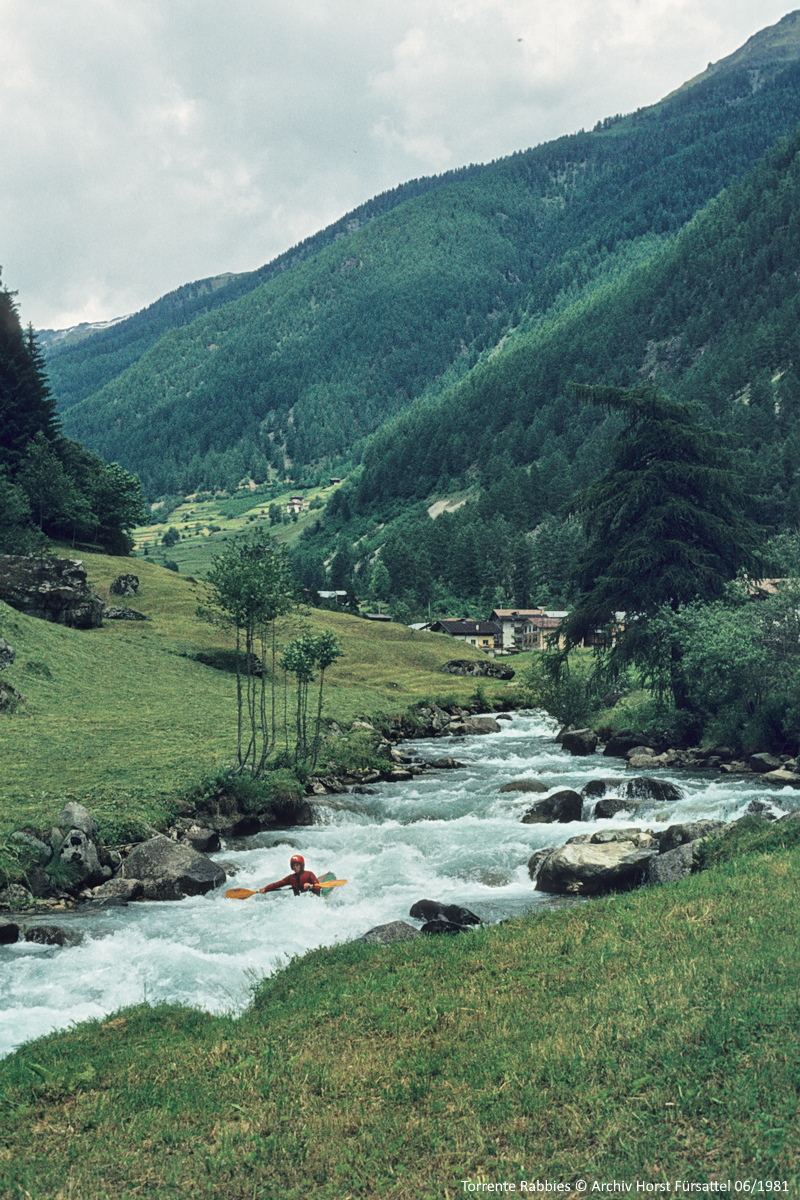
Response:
column 579, row 742
column 125, row 585
column 563, row 806
column 486, row 670
column 446, row 764
column 171, row 870
column 53, row 589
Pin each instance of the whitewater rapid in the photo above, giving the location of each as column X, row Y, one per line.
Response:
column 447, row 835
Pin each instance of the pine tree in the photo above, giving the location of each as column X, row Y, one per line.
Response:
column 665, row 524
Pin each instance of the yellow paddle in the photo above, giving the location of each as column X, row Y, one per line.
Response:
column 244, row 893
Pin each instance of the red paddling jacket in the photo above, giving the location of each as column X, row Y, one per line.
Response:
column 295, row 882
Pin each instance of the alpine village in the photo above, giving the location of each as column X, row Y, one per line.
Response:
column 455, row 556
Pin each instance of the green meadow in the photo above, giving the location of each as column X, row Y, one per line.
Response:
column 647, row 1037
column 203, row 524
column 125, row 719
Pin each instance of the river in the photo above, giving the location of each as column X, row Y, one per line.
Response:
column 446, row 835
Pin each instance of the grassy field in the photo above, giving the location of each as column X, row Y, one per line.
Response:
column 204, row 525
column 649, row 1037
column 124, row 719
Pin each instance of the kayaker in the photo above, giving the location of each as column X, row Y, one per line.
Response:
column 299, row 881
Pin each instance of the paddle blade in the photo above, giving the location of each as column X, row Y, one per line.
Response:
column 326, row 883
column 238, row 893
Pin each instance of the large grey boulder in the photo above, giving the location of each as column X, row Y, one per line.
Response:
column 53, row 589
column 636, row 787
column 488, row 670
column 125, row 585
column 563, row 806
column 472, row 725
column 782, row 777
column 170, row 870
column 120, row 888
column 620, row 744
column 674, row 865
column 393, row 931
column 81, row 853
column 75, row 816
column 118, row 612
column 689, row 831
column 610, row 806
column 761, row 763
column 588, row 869
column 53, row 935
column 579, row 742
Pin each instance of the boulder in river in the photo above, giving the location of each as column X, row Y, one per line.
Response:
column 467, row 726
column 588, row 869
column 9, row 932
column 609, row 806
column 433, row 928
column 564, row 806
column 170, row 870
column 53, row 935
column 637, row 787
column 579, row 742
column 525, row 785
column 620, row 744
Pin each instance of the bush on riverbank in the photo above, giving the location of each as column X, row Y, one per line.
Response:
column 651, row 1036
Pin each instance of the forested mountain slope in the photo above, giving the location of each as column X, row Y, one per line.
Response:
column 713, row 319
column 80, row 366
column 304, row 367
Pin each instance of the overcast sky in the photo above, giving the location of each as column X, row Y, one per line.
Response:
column 148, row 143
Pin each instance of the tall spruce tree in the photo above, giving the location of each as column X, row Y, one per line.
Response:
column 665, row 525
column 26, row 404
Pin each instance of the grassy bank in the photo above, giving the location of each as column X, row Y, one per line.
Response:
column 651, row 1036
column 125, row 718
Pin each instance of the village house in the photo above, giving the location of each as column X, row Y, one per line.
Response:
column 540, row 628
column 512, row 626
column 296, row 505
column 486, row 635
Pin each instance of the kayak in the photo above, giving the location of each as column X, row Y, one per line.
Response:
column 327, row 883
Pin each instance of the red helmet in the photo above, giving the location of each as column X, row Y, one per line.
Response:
column 297, row 858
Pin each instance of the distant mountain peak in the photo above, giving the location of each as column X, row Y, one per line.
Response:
column 776, row 47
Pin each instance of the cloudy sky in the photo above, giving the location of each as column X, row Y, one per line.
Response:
column 147, row 143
